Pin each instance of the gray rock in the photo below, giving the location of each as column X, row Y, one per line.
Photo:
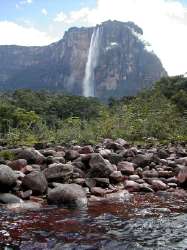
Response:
column 58, row 172
column 127, row 168
column 7, row 178
column 36, row 182
column 116, row 176
column 132, row 186
column 71, row 155
column 68, row 194
column 142, row 160
column 7, row 198
column 99, row 167
column 31, row 155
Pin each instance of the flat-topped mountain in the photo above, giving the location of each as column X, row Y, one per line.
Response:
column 123, row 65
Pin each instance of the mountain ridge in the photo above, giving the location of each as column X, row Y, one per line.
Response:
column 124, row 65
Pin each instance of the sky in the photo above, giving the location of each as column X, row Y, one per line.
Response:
column 41, row 22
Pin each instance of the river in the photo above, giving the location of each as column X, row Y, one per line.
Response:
column 146, row 221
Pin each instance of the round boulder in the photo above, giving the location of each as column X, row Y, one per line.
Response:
column 36, row 182
column 7, row 178
column 68, row 194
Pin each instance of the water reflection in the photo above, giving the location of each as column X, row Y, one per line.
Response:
column 145, row 222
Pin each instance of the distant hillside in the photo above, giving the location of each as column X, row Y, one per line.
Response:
column 124, row 65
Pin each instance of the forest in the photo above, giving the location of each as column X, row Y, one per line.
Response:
column 158, row 115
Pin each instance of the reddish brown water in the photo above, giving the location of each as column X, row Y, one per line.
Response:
column 144, row 222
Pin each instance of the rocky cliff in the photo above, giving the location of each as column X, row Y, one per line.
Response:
column 124, row 65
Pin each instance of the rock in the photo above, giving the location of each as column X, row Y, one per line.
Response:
column 105, row 153
column 114, row 146
column 116, row 176
column 25, row 206
column 25, row 195
column 126, row 168
column 102, row 182
column 134, row 177
column 79, row 173
column 162, row 153
column 132, row 186
column 150, row 174
column 36, row 167
column 36, row 182
column 31, row 155
column 114, row 158
column 68, row 194
column 182, row 176
column 122, row 142
column 142, row 160
column 71, row 155
column 98, row 191
column 172, row 185
column 122, row 195
column 79, row 181
column 59, row 159
column 182, row 161
column 7, row 178
column 99, row 167
column 7, row 198
column 158, row 185
column 90, row 182
column 27, row 169
column 48, row 152
column 86, row 150
column 18, row 164
column 172, row 180
column 165, row 174
column 128, row 153
column 144, row 187
column 58, row 172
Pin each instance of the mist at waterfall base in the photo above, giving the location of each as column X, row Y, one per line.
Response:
column 93, row 54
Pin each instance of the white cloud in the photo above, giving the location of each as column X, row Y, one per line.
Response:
column 12, row 33
column 60, row 17
column 164, row 23
column 23, row 2
column 44, row 12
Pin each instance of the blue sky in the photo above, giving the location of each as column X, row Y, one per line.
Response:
column 41, row 22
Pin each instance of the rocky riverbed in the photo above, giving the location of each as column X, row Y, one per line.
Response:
column 77, row 175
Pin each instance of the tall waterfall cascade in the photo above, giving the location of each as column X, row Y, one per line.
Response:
column 93, row 54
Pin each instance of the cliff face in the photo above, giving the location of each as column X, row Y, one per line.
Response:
column 124, row 65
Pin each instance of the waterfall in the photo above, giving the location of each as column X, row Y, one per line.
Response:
column 88, row 82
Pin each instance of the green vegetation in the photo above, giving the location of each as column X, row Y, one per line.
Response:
column 28, row 117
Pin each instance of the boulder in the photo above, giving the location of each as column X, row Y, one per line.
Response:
column 18, row 164
column 114, row 158
column 31, row 155
column 72, row 155
column 7, row 178
column 142, row 160
column 98, row 191
column 182, row 177
column 116, row 176
column 162, row 153
column 158, row 185
column 182, row 161
column 150, row 174
column 86, row 150
column 67, row 194
column 132, row 186
column 126, row 168
column 7, row 198
column 36, row 182
column 102, row 182
column 134, row 177
column 99, row 167
column 58, row 172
